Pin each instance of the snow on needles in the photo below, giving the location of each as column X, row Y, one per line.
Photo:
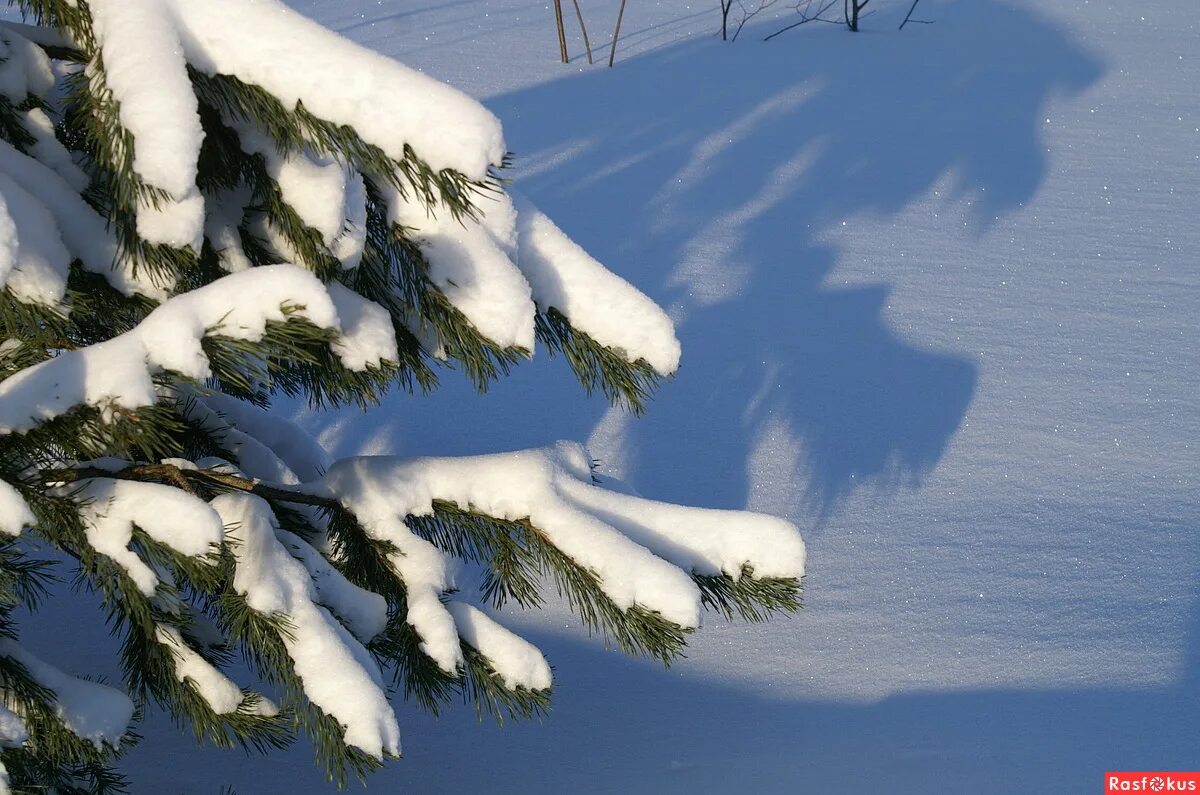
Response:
column 47, row 149
column 363, row 612
column 368, row 337
column 269, row 45
column 499, row 266
column 516, row 660
column 298, row 451
column 313, row 186
column 83, row 231
column 33, row 260
column 337, row 673
column 218, row 690
column 254, row 458
column 642, row 551
column 326, row 194
column 95, row 712
column 596, row 301
column 496, row 268
column 110, row 509
column 25, row 69
column 470, row 262
column 118, row 372
column 15, row 514
column 13, row 732
column 137, row 39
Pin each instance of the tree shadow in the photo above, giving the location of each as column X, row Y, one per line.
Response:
column 718, row 179
column 649, row 730
column 621, row 726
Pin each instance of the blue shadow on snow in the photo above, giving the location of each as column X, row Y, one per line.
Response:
column 716, row 171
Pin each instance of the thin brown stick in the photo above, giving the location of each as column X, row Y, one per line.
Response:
column 583, row 28
column 612, row 54
column 562, row 33
column 187, row 479
column 805, row 18
column 908, row 16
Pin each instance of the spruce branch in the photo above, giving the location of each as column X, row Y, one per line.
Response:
column 597, row 366
column 296, row 128
column 173, row 475
column 177, row 610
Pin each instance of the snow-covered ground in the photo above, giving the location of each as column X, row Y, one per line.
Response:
column 938, row 296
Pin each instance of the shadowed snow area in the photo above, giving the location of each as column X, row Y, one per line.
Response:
column 937, row 293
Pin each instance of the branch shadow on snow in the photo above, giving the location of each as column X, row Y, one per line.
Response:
column 632, row 727
column 711, row 175
column 650, row 730
column 708, row 175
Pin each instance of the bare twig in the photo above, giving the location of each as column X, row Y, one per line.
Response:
column 806, row 17
column 582, row 27
column 612, row 54
column 908, row 17
column 187, row 479
column 562, row 33
column 748, row 14
column 855, row 6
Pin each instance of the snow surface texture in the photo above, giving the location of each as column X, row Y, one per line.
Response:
column 978, row 394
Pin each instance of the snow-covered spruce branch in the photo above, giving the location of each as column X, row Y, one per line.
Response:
column 176, row 252
column 547, row 506
column 635, row 570
column 188, row 479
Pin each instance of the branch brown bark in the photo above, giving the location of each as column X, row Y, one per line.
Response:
column 586, row 43
column 612, row 54
column 562, row 33
column 187, row 479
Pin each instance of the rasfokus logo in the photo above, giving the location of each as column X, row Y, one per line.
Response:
column 1142, row 781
